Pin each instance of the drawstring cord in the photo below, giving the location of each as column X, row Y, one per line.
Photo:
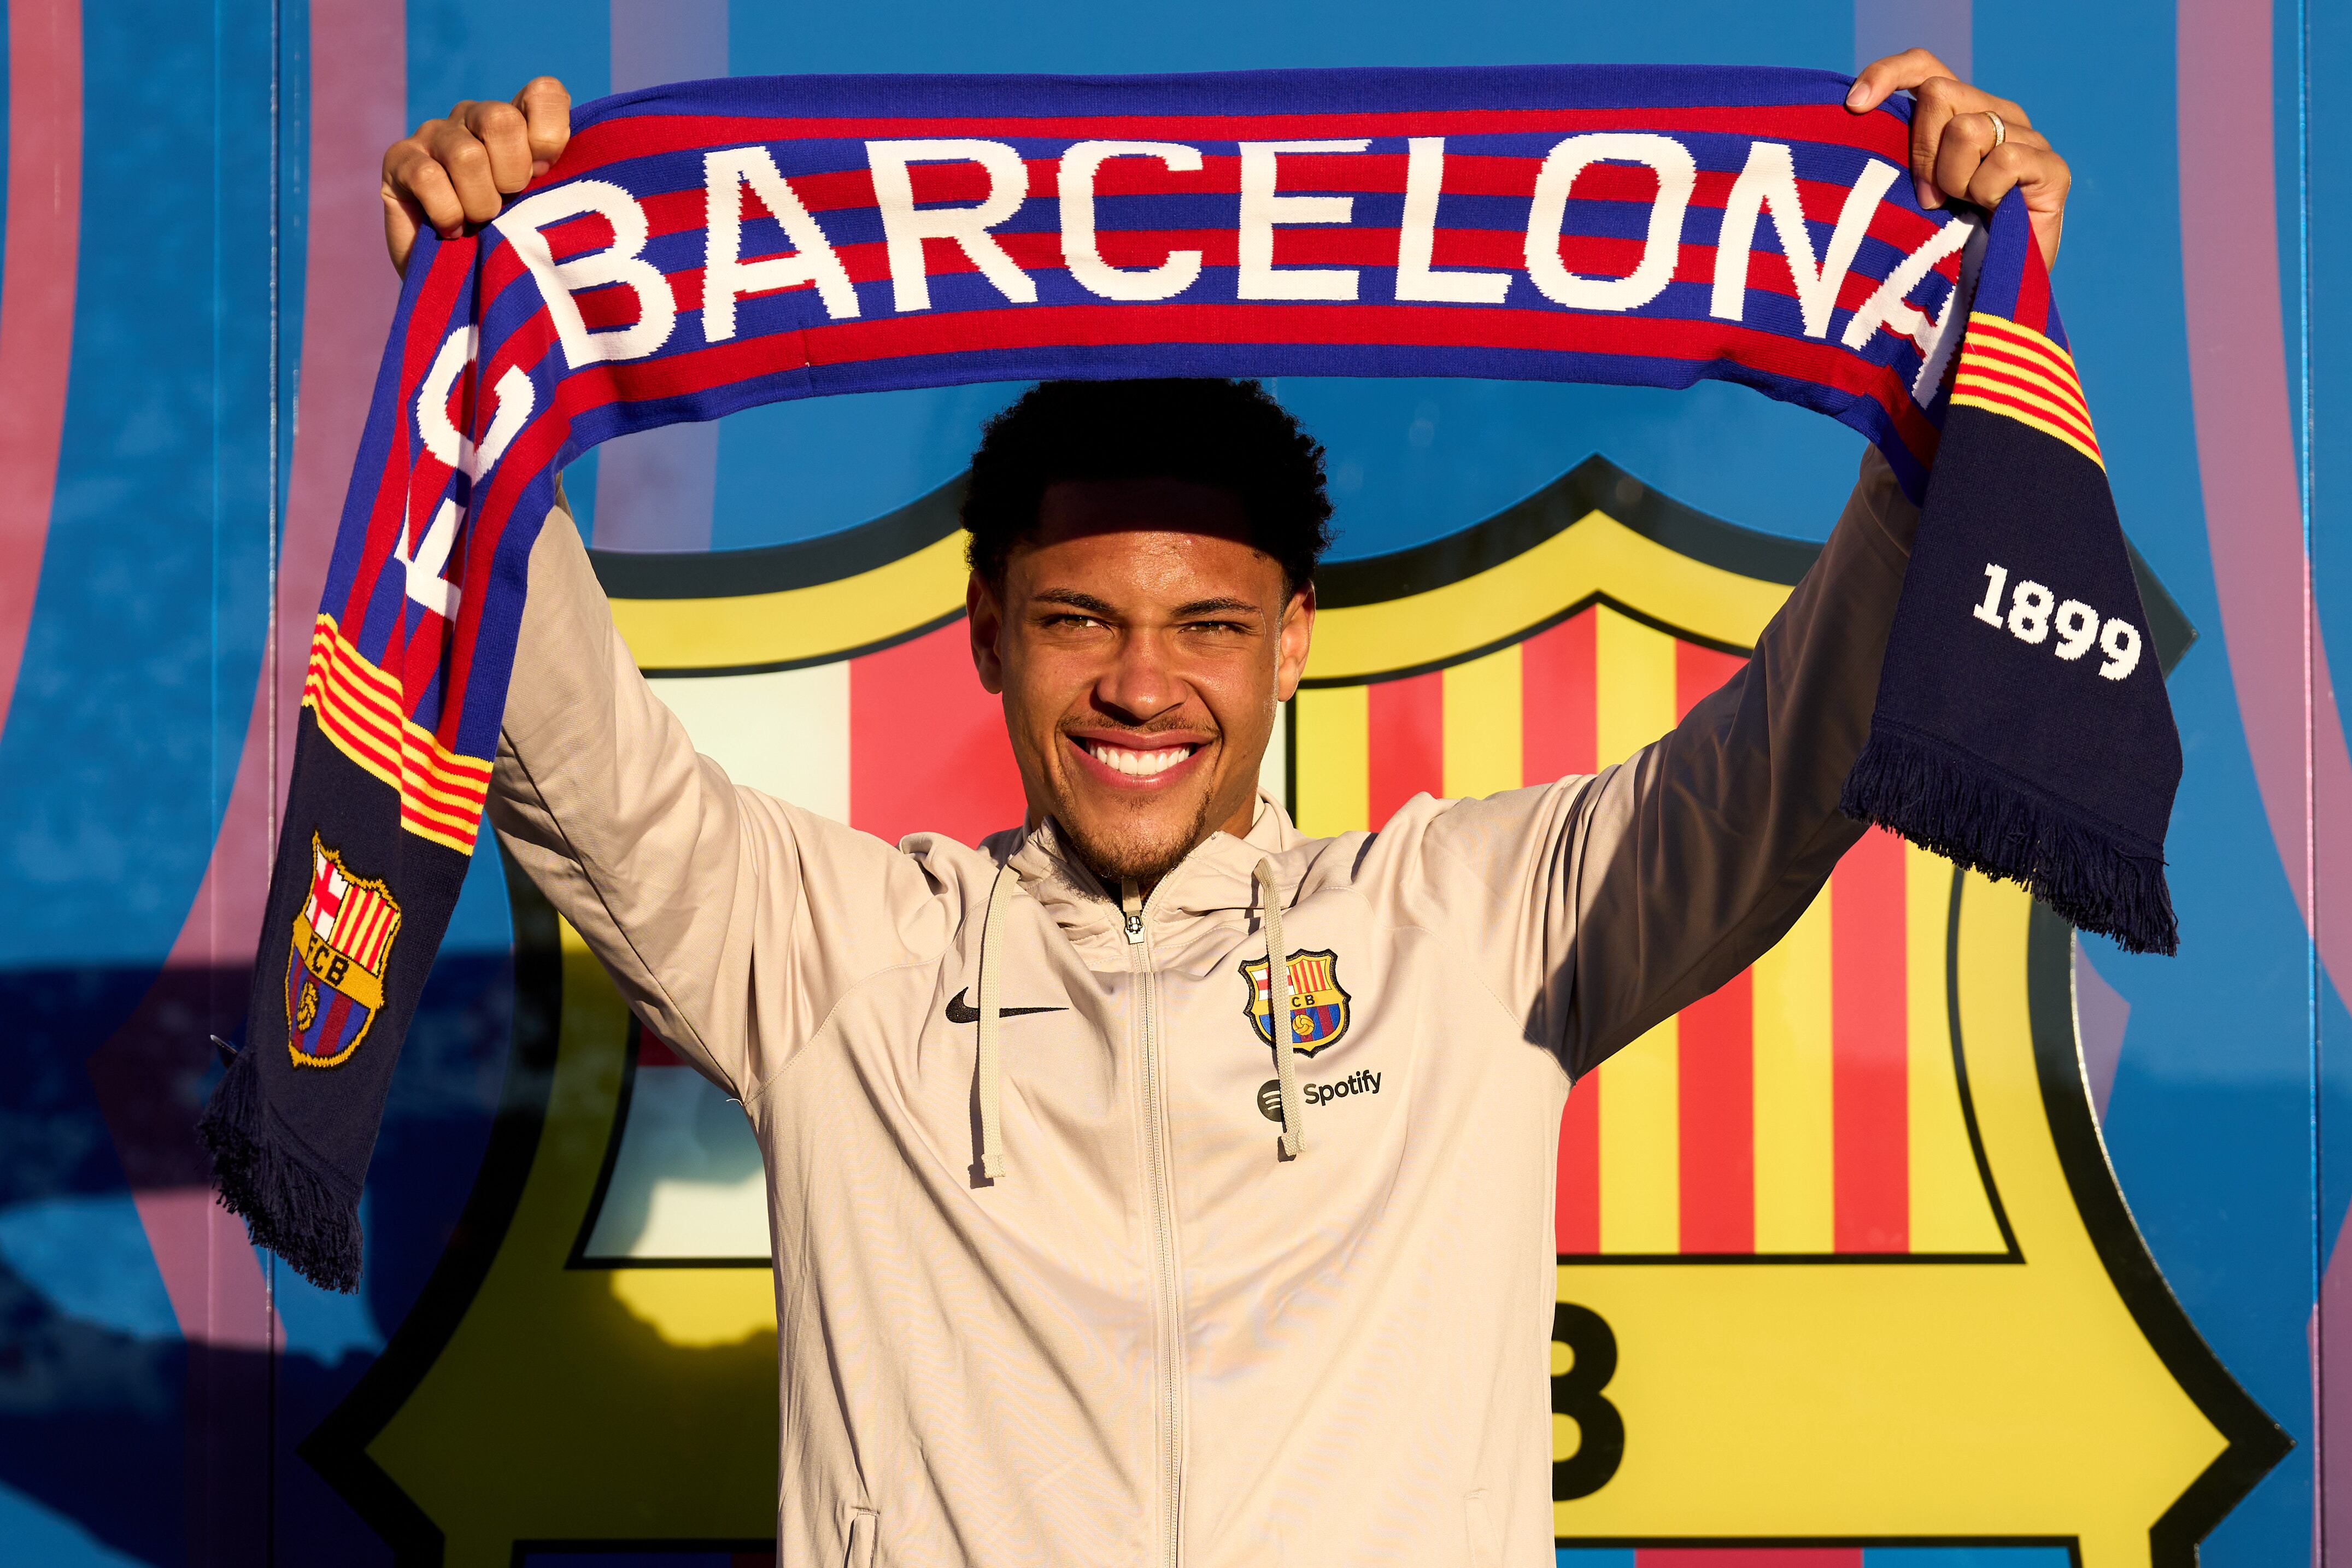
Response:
column 1279, row 1018
column 992, row 1076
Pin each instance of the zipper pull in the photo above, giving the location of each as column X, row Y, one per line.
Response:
column 1130, row 902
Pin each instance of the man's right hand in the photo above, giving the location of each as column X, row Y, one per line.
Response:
column 459, row 170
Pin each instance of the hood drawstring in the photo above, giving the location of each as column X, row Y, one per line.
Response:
column 1279, row 1016
column 992, row 1136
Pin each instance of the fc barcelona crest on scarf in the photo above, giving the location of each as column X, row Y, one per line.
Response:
column 1319, row 1005
column 341, row 948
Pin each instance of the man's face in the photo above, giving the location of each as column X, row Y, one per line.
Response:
column 1141, row 643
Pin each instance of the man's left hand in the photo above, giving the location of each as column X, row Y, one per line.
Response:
column 1967, row 145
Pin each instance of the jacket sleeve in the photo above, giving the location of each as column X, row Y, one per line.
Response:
column 698, row 896
column 1619, row 899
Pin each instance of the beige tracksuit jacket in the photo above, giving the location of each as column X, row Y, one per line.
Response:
column 1155, row 1338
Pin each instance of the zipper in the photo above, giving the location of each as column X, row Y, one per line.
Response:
column 1161, row 1181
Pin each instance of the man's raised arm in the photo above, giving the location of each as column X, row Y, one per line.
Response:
column 1597, row 907
column 1606, row 905
column 1682, row 865
column 730, row 920
column 697, row 895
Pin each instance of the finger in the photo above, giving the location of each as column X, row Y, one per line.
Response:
column 502, row 131
column 1913, row 71
column 546, row 108
column 466, row 163
column 1935, row 104
column 1967, row 140
column 2037, row 174
column 1882, row 79
column 402, row 218
column 1955, row 97
column 411, row 171
column 1940, row 104
column 1997, row 174
column 1971, row 142
column 2048, row 229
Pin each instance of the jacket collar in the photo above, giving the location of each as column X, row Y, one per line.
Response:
column 1213, row 879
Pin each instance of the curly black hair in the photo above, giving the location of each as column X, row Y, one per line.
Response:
column 1228, row 434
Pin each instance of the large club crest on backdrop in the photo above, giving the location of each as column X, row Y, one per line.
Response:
column 1829, row 1238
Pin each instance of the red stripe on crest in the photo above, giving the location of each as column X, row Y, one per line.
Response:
column 1407, row 721
column 1869, row 1071
column 1716, row 1044
column 928, row 751
column 1698, row 672
column 1559, row 701
column 1577, row 1218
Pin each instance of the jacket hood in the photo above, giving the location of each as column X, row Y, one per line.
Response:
column 1215, row 879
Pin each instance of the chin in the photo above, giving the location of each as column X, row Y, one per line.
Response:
column 1138, row 851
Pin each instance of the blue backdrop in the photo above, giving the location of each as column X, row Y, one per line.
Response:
column 193, row 293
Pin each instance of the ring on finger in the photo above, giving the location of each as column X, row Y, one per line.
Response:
column 1999, row 128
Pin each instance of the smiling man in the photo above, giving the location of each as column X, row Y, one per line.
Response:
column 1153, row 1183
column 1142, row 554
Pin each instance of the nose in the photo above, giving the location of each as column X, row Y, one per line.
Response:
column 1140, row 683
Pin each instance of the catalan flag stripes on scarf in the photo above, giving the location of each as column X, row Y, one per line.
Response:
column 713, row 245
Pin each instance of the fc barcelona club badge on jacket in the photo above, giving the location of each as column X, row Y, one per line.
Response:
column 1319, row 1005
column 343, row 945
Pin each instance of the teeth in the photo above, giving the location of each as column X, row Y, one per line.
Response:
column 1139, row 764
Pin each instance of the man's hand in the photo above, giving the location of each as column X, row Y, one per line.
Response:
column 1958, row 151
column 459, row 170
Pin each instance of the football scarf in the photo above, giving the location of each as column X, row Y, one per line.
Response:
column 710, row 246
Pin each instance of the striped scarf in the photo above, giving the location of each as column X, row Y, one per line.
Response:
column 710, row 246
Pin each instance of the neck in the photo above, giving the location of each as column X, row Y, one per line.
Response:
column 1114, row 883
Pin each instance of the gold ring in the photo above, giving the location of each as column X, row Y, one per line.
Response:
column 1999, row 131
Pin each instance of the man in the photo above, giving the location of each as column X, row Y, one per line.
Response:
column 1074, row 1264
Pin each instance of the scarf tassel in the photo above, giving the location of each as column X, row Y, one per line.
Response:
column 264, row 1179
column 1972, row 814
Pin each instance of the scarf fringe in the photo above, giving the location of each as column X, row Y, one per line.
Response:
column 1973, row 815
column 286, row 1205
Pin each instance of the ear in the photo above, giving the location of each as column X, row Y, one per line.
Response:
column 985, row 616
column 1291, row 644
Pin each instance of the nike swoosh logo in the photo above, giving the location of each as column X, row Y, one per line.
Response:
column 962, row 1011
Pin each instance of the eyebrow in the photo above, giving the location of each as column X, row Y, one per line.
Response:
column 1215, row 607
column 1087, row 602
column 1075, row 599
